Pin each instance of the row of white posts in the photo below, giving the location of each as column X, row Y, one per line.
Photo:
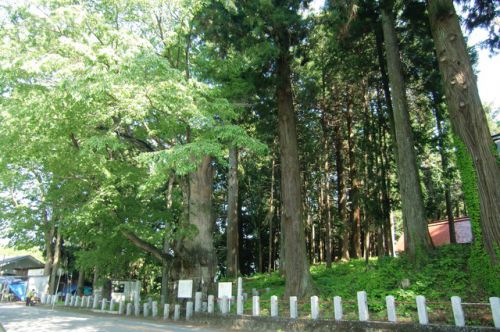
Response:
column 363, row 314
column 225, row 307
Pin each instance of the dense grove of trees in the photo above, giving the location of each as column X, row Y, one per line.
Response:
column 200, row 138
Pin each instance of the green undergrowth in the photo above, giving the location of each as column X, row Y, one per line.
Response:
column 446, row 274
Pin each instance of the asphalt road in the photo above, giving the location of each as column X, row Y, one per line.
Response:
column 19, row 318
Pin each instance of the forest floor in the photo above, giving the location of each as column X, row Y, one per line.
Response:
column 446, row 274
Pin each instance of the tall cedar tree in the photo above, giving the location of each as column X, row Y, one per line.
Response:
column 467, row 115
column 417, row 240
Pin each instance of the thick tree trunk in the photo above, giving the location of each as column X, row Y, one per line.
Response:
column 232, row 214
column 95, row 278
column 298, row 279
column 55, row 263
column 80, row 283
column 106, row 289
column 200, row 261
column 467, row 115
column 417, row 240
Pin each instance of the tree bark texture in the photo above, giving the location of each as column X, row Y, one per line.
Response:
column 298, row 279
column 48, row 236
column 232, row 214
column 467, row 115
column 269, row 217
column 341, row 192
column 80, row 283
column 55, row 262
column 199, row 254
column 417, row 240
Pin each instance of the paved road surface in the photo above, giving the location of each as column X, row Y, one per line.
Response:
column 19, row 318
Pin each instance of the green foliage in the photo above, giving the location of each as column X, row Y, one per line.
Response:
column 482, row 270
column 447, row 273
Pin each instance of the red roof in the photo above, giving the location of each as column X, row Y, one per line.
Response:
column 440, row 233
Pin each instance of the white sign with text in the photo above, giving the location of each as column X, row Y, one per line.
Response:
column 185, row 290
column 225, row 289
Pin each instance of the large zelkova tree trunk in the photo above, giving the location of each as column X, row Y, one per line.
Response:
column 232, row 214
column 200, row 262
column 55, row 263
column 298, row 279
column 467, row 115
column 417, row 240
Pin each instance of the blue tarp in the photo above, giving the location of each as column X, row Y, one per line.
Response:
column 19, row 289
column 71, row 289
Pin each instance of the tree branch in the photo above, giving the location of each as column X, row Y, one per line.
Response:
column 146, row 246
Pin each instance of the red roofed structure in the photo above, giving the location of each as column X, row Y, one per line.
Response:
column 440, row 233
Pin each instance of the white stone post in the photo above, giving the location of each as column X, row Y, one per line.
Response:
column 77, row 301
column 197, row 302
column 177, row 312
column 210, row 304
column 274, row 306
column 112, row 304
column 129, row 309
column 293, row 307
column 103, row 305
column 121, row 307
column 362, row 306
column 240, row 287
column 54, row 299
column 154, row 309
column 255, row 306
column 314, row 307
column 239, row 304
column 71, row 302
column 146, row 309
column 422, row 310
column 189, row 310
column 67, row 300
column 137, row 309
column 96, row 302
column 495, row 310
column 43, row 298
column 89, row 300
column 458, row 312
column 166, row 311
column 337, row 307
column 224, row 305
column 391, row 309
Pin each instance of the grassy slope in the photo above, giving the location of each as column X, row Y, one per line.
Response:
column 445, row 275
